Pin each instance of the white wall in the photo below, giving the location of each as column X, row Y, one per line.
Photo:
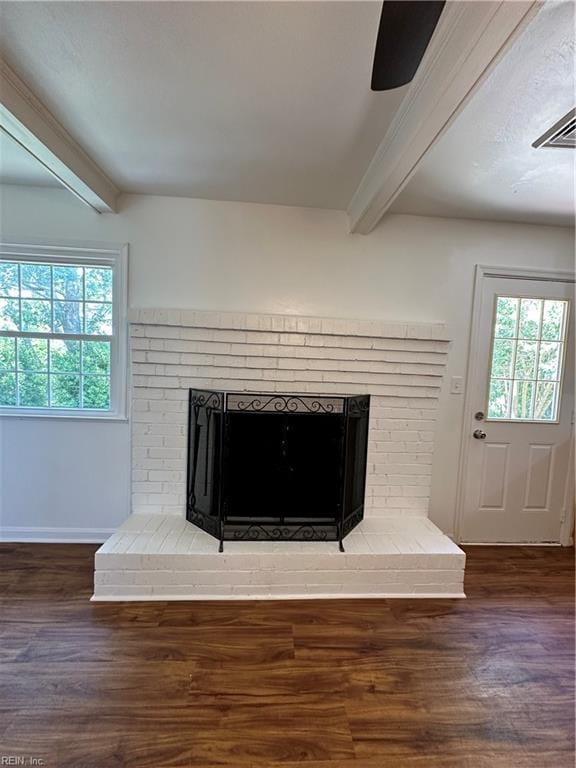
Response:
column 63, row 479
column 256, row 258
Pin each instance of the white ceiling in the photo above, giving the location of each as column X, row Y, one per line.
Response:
column 18, row 166
column 255, row 101
column 270, row 102
column 484, row 166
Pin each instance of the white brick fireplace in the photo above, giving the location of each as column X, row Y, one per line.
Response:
column 400, row 365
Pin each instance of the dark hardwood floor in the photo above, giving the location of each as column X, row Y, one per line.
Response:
column 486, row 682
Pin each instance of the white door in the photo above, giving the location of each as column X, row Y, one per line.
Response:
column 520, row 413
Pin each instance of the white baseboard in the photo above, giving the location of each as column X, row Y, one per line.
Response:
column 55, row 535
column 102, row 598
column 510, row 544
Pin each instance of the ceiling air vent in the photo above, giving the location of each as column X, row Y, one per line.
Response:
column 562, row 133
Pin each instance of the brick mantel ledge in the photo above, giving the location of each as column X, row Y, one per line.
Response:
column 288, row 324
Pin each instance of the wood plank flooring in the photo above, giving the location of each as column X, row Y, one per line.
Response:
column 485, row 682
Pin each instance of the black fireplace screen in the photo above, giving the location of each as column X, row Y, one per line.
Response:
column 280, row 467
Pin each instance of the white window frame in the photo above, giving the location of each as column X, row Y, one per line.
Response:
column 84, row 254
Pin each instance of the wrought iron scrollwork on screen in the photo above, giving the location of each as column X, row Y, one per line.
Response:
column 359, row 405
column 352, row 521
column 211, row 400
column 255, row 532
column 287, row 404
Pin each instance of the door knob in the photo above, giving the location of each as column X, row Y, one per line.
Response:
column 479, row 434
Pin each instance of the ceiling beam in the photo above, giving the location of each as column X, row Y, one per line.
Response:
column 470, row 38
column 30, row 124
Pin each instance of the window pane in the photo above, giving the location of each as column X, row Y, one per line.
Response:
column 9, row 314
column 64, row 356
column 35, row 281
column 98, row 284
column 506, row 314
column 7, row 354
column 499, row 400
column 525, row 360
column 9, row 279
column 545, row 405
column 522, row 400
column 553, row 320
column 549, row 362
column 96, row 392
column 502, row 358
column 96, row 356
column 99, row 319
column 68, row 316
column 36, row 316
column 530, row 310
column 33, row 390
column 7, row 389
column 68, row 283
column 32, row 355
column 65, row 391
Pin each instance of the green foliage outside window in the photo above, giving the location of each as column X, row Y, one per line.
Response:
column 527, row 351
column 55, row 299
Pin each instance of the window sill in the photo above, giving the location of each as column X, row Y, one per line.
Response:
column 35, row 413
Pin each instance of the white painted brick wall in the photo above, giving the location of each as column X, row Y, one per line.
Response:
column 400, row 365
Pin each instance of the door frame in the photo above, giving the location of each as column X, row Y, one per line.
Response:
column 481, row 273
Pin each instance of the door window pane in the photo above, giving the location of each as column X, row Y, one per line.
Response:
column 506, row 317
column 530, row 311
column 499, row 400
column 549, row 360
column 553, row 320
column 502, row 357
column 522, row 399
column 525, row 367
column 544, row 406
column 527, row 353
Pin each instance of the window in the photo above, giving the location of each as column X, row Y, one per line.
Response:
column 527, row 356
column 62, row 331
